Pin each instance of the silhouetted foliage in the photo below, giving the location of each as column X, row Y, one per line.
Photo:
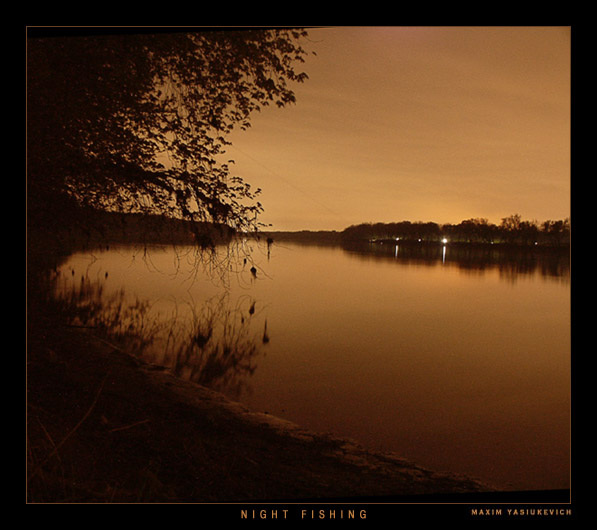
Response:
column 511, row 230
column 138, row 122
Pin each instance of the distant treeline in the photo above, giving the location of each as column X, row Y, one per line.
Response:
column 158, row 229
column 511, row 230
column 98, row 228
column 139, row 228
column 311, row 237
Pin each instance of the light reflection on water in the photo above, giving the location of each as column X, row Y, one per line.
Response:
column 458, row 362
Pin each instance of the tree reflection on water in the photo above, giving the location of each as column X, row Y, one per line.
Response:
column 215, row 343
column 509, row 261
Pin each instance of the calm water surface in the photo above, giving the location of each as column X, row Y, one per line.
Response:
column 460, row 366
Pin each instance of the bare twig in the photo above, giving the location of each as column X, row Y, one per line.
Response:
column 128, row 426
column 85, row 416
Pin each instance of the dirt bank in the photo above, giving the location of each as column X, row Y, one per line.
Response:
column 105, row 427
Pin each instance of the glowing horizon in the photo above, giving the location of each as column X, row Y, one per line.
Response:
column 438, row 124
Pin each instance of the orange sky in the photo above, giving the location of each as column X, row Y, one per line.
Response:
column 417, row 123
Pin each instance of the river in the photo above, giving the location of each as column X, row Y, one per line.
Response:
column 459, row 361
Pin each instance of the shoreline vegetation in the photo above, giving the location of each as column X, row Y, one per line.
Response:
column 106, row 227
column 511, row 232
column 104, row 426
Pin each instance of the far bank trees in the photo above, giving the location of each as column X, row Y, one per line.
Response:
column 511, row 230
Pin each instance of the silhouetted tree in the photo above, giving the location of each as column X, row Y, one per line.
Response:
column 477, row 230
column 512, row 229
column 557, row 233
column 529, row 232
column 138, row 122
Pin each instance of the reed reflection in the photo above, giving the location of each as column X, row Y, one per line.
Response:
column 215, row 343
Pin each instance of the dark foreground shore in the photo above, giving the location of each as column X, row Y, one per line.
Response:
column 105, row 427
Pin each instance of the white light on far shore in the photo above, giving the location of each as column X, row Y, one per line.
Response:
column 444, row 240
